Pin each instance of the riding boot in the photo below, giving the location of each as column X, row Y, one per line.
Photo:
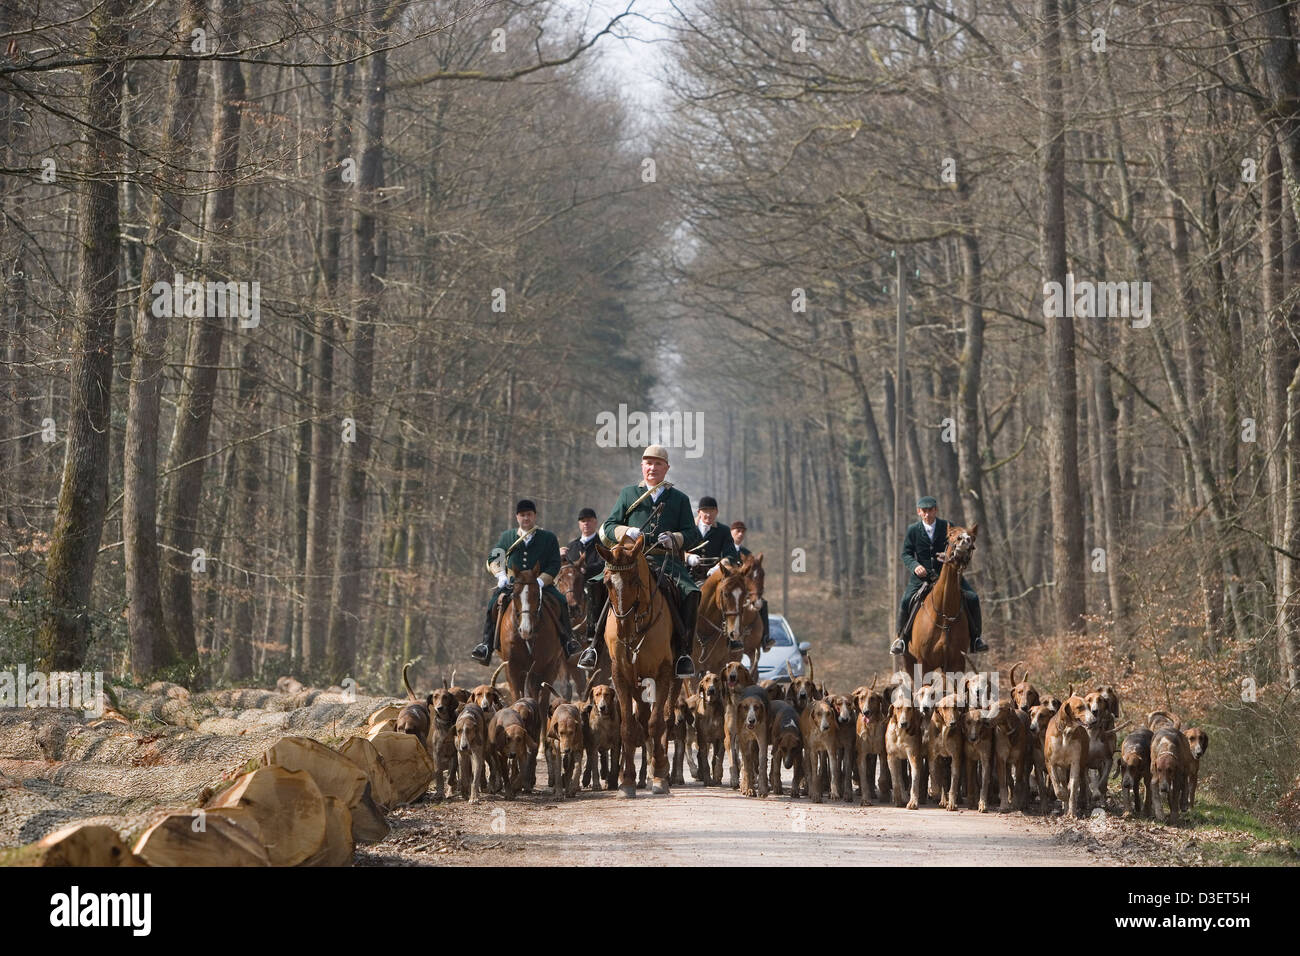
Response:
column 482, row 652
column 587, row 662
column 974, row 618
column 685, row 667
column 571, row 645
column 767, row 628
column 900, row 643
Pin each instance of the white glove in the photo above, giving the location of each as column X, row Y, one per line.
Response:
column 634, row 533
column 502, row 580
column 715, row 569
column 666, row 540
column 693, row 560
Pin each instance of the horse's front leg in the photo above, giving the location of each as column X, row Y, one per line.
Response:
column 624, row 689
column 658, row 728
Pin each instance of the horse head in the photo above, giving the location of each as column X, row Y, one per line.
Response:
column 731, row 597
column 961, row 545
column 571, row 581
column 627, row 574
column 527, row 602
column 753, row 570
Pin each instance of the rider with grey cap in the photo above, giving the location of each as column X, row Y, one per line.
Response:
column 655, row 509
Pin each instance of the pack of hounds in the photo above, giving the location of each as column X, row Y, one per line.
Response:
column 917, row 747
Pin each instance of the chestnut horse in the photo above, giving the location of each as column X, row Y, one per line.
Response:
column 572, row 583
column 638, row 636
column 530, row 641
column 722, row 598
column 940, row 632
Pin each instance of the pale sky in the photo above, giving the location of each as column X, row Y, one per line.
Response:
column 633, row 60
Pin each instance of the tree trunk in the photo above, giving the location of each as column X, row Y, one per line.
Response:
column 369, row 268
column 1062, row 446
column 194, row 408
column 70, row 566
column 150, row 644
column 326, row 427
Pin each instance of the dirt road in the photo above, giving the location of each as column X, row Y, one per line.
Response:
column 707, row 826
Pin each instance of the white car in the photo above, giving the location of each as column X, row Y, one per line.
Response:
column 784, row 662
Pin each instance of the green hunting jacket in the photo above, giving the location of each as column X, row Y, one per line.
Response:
column 918, row 549
column 542, row 551
column 675, row 517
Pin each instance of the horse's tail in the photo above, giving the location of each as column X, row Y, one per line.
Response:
column 405, row 680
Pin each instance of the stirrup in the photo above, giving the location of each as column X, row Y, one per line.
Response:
column 898, row 646
column 685, row 667
column 482, row 654
column 585, row 662
column 978, row 646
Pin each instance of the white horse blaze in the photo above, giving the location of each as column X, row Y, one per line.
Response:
column 525, row 614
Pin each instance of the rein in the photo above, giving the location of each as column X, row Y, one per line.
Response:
column 643, row 621
column 947, row 558
column 718, row 629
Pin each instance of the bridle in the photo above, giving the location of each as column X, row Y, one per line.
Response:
column 959, row 557
column 641, row 621
column 575, row 588
column 526, row 613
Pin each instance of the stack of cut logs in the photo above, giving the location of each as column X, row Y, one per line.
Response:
column 301, row 804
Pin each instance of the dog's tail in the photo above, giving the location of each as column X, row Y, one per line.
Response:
column 1013, row 672
column 405, row 680
column 551, row 688
column 493, row 681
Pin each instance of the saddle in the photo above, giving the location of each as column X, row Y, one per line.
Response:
column 673, row 595
column 550, row 607
column 917, row 599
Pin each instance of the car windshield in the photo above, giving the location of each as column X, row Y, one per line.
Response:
column 781, row 636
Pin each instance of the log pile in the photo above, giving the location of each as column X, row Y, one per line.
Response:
column 299, row 803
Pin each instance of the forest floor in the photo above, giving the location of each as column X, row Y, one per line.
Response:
column 711, row 826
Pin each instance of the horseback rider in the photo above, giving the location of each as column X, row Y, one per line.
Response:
column 657, row 510
column 738, row 530
column 582, row 551
column 925, row 541
column 523, row 549
column 717, row 542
